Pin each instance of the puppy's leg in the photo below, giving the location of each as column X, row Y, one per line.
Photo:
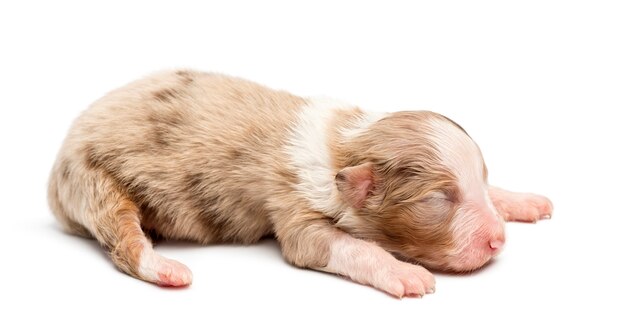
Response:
column 103, row 209
column 132, row 252
column 368, row 263
column 524, row 207
column 313, row 242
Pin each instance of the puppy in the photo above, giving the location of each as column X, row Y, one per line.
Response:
column 213, row 159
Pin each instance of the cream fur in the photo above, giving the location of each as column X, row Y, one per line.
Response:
column 209, row 158
column 366, row 263
column 461, row 155
column 309, row 154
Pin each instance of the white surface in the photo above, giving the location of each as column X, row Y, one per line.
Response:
column 540, row 85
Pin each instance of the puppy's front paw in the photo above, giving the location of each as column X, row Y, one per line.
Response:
column 524, row 207
column 369, row 264
column 406, row 280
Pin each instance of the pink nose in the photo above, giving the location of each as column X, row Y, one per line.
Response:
column 496, row 244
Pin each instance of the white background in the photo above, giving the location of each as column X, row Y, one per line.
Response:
column 540, row 85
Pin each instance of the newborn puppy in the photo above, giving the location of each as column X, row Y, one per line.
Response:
column 213, row 159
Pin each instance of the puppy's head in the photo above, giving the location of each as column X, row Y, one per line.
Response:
column 416, row 184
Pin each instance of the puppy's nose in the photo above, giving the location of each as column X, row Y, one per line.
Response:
column 496, row 244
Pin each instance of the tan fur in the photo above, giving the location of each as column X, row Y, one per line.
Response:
column 402, row 209
column 208, row 158
column 171, row 142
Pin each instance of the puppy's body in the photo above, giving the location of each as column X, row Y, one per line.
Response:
column 200, row 161
column 209, row 158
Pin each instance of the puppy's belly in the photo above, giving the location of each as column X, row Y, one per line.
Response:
column 237, row 225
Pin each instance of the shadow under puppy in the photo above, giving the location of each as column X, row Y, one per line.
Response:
column 212, row 159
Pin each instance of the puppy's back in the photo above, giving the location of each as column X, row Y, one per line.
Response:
column 200, row 154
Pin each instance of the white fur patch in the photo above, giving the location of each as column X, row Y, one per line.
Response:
column 162, row 271
column 343, row 258
column 368, row 263
column 310, row 155
column 148, row 263
column 477, row 221
column 492, row 208
column 362, row 124
column 461, row 155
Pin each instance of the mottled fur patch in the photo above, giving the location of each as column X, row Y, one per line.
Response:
column 165, row 95
column 210, row 158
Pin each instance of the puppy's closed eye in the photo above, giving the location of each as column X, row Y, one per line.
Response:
column 436, row 196
column 432, row 207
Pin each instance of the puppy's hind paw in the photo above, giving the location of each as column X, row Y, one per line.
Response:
column 164, row 272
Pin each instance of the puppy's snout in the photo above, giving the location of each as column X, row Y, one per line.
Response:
column 496, row 237
column 486, row 238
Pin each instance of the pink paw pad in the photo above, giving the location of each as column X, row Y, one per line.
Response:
column 173, row 273
column 162, row 271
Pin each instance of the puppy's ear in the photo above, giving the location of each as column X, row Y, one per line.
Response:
column 355, row 183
